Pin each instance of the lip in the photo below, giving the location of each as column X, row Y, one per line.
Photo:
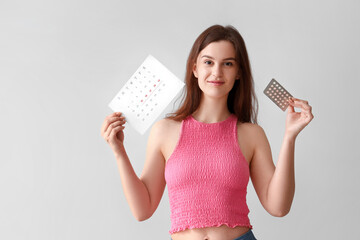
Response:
column 216, row 83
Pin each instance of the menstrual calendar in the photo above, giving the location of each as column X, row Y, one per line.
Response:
column 146, row 94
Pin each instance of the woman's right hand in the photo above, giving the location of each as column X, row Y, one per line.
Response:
column 112, row 131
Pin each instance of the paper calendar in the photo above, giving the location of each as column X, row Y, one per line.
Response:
column 146, row 94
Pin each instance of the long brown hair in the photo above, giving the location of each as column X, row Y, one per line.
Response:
column 241, row 100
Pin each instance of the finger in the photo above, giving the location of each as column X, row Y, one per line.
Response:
column 114, row 132
column 309, row 117
column 105, row 123
column 291, row 108
column 114, row 114
column 112, row 126
column 304, row 105
column 308, row 109
column 300, row 103
column 108, row 122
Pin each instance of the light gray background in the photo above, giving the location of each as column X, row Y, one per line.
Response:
column 61, row 63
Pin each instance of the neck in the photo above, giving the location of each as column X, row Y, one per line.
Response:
column 212, row 110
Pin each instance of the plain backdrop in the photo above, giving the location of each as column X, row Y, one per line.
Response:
column 62, row 62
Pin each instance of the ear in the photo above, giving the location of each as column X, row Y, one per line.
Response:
column 195, row 70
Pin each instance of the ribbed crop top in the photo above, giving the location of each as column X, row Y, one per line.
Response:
column 207, row 177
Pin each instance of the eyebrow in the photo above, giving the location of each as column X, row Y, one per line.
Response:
column 207, row 56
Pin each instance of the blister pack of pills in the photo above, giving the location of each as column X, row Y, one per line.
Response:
column 146, row 94
column 278, row 94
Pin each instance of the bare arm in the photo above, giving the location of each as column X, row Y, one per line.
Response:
column 275, row 186
column 281, row 189
column 134, row 189
column 142, row 194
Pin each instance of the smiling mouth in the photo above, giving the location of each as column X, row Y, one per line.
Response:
column 216, row 83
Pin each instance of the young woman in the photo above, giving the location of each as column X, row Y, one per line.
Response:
column 207, row 151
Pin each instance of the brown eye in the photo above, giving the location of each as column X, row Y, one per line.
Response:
column 207, row 62
column 229, row 64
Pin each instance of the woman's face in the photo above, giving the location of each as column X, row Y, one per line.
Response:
column 216, row 62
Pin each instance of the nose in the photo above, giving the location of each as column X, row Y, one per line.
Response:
column 217, row 71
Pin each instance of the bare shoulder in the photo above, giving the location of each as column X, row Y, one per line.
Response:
column 166, row 133
column 251, row 130
column 248, row 136
column 158, row 131
column 164, row 126
column 158, row 126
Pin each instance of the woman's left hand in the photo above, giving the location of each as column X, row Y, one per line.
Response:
column 297, row 121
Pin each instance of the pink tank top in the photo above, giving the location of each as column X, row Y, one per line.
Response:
column 207, row 177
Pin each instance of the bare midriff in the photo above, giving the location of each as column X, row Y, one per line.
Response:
column 210, row 233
